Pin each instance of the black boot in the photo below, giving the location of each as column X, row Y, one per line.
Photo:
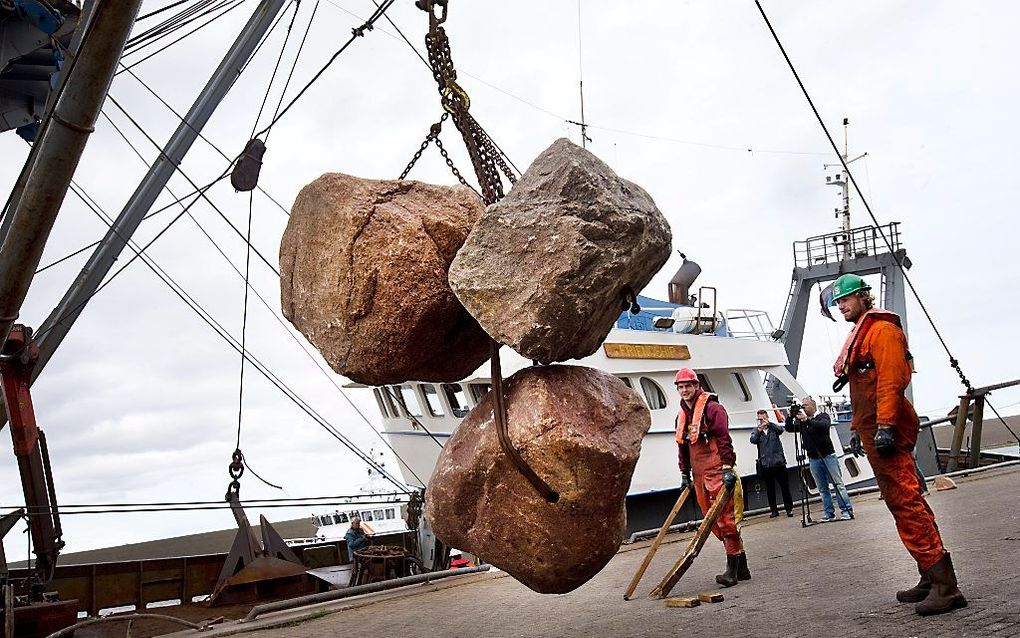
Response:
column 743, row 573
column 729, row 579
column 944, row 595
column 918, row 592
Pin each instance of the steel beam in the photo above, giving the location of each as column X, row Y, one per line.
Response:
column 60, row 149
column 55, row 328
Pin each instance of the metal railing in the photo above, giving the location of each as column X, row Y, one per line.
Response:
column 864, row 241
column 747, row 323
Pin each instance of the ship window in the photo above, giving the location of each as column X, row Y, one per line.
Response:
column 382, row 404
column 337, row 520
column 458, row 402
column 653, row 394
column 744, row 392
column 626, row 382
column 355, row 514
column 479, row 390
column 390, row 400
column 378, row 515
column 851, row 466
column 706, row 386
column 367, row 515
column 432, row 400
column 341, row 518
column 391, row 514
column 408, row 402
column 317, row 521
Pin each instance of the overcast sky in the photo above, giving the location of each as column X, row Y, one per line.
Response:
column 691, row 100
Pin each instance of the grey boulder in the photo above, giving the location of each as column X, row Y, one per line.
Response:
column 543, row 269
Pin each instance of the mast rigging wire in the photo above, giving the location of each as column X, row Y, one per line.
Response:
column 286, row 328
column 953, row 362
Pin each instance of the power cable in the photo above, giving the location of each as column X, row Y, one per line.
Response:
column 953, row 362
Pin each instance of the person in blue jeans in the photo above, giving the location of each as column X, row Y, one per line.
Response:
column 814, row 429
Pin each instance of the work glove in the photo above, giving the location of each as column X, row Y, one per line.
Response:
column 856, row 447
column 885, row 443
column 729, row 479
column 685, row 480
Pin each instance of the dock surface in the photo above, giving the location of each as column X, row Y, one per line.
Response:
column 834, row 579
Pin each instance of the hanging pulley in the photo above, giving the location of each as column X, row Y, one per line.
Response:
column 245, row 176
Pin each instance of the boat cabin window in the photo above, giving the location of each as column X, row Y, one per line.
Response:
column 378, row 515
column 382, row 404
column 653, row 394
column 341, row 517
column 432, row 400
column 626, row 382
column 479, row 390
column 367, row 515
column 742, row 391
column 390, row 514
column 851, row 466
column 355, row 514
column 456, row 398
column 705, row 385
column 391, row 399
column 408, row 401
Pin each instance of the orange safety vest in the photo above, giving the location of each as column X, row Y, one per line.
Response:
column 697, row 419
column 847, row 355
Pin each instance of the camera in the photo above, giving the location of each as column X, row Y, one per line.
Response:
column 795, row 409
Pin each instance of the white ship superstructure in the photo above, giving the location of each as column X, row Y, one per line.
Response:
column 418, row 418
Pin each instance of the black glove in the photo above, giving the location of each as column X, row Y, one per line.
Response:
column 856, row 447
column 885, row 443
column 685, row 480
column 729, row 479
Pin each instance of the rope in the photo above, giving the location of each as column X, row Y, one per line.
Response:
column 276, row 68
column 899, row 264
column 297, row 56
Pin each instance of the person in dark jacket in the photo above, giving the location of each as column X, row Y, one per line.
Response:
column 772, row 461
column 814, row 428
column 356, row 537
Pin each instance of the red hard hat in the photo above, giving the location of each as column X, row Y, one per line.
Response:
column 685, row 374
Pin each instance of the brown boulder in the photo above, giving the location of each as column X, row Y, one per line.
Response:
column 543, row 269
column 364, row 277
column 580, row 429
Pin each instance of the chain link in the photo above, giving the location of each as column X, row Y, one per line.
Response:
column 235, row 470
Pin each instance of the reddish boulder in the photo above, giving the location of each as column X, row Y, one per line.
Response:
column 580, row 429
column 364, row 268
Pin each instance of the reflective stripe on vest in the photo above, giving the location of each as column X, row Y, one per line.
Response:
column 699, row 412
column 846, row 355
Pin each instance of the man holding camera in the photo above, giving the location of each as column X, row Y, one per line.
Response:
column 876, row 362
column 814, row 429
column 706, row 450
column 772, row 461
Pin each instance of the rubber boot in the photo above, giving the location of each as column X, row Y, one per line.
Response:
column 743, row 573
column 944, row 595
column 729, row 579
column 918, row 592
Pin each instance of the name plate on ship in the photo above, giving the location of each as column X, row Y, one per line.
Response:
column 646, row 351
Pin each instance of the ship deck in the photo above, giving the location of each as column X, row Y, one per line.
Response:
column 836, row 578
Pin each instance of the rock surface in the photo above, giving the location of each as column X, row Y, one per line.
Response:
column 364, row 268
column 580, row 429
column 543, row 269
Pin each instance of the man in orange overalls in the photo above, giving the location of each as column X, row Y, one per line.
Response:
column 703, row 437
column 876, row 362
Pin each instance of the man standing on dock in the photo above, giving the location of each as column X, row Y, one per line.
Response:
column 706, row 449
column 876, row 362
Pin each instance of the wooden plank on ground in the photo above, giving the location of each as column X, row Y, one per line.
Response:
column 655, row 544
column 682, row 602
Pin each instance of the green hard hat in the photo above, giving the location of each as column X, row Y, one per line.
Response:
column 847, row 285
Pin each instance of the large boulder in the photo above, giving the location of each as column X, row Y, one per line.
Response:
column 580, row 429
column 544, row 268
column 363, row 267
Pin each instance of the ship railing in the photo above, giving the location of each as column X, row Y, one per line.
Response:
column 747, row 323
column 864, row 241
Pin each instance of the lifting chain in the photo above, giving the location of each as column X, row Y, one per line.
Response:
column 489, row 170
column 235, row 470
column 433, row 136
column 485, row 157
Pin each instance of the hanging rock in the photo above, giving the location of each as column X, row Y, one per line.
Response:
column 543, row 269
column 364, row 277
column 580, row 429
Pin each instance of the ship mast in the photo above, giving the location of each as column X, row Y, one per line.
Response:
column 840, row 179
